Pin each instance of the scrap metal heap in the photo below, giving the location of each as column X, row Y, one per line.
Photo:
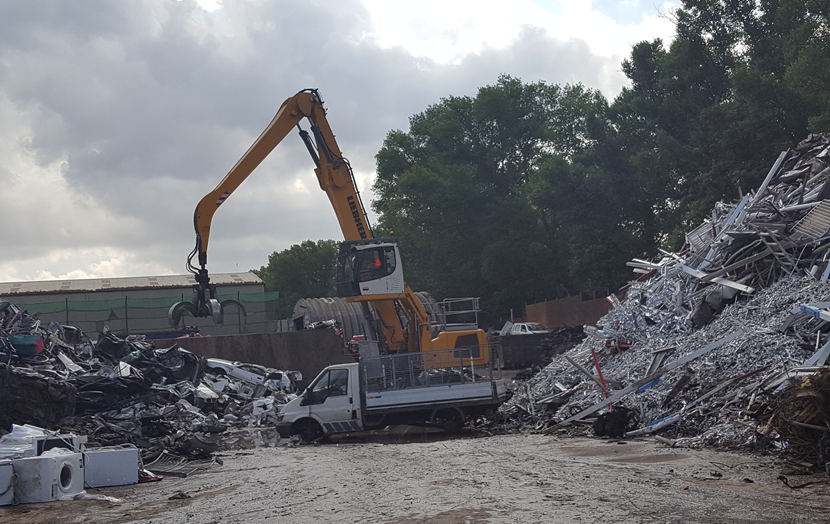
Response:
column 119, row 391
column 711, row 341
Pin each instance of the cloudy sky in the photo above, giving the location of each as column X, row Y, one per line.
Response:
column 116, row 117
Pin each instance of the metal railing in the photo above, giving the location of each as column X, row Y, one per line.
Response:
column 427, row 369
column 460, row 313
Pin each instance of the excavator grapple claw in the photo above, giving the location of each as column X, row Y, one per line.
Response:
column 215, row 310
column 178, row 310
column 210, row 307
column 232, row 302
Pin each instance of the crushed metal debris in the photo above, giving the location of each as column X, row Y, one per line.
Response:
column 707, row 339
column 126, row 391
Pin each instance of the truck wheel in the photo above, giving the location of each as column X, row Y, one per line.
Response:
column 452, row 425
column 451, row 420
column 310, row 431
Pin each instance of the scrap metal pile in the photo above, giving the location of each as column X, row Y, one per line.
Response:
column 118, row 391
column 800, row 416
column 708, row 337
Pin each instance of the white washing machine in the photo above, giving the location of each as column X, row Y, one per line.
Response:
column 51, row 476
column 6, row 482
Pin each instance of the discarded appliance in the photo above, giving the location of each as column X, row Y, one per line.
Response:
column 32, row 441
column 55, row 475
column 111, row 466
column 6, row 482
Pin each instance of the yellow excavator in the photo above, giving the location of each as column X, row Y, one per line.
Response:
column 369, row 269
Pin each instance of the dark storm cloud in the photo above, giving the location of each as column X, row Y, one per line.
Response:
column 147, row 104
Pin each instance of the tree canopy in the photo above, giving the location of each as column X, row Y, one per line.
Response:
column 742, row 80
column 305, row 270
column 499, row 196
column 530, row 191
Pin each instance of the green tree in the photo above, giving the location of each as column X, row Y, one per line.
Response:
column 479, row 210
column 529, row 190
column 706, row 117
column 306, row 270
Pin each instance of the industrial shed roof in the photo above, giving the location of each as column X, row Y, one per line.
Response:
column 108, row 284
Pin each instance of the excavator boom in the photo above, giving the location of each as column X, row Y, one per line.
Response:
column 333, row 174
column 404, row 323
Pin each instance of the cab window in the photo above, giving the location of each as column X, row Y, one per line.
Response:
column 390, row 260
column 339, row 382
column 375, row 263
column 319, row 391
column 332, row 383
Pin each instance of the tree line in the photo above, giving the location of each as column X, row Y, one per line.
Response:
column 531, row 191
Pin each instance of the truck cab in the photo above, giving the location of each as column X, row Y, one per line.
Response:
column 332, row 400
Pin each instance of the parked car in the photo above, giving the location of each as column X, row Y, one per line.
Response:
column 256, row 374
column 523, row 328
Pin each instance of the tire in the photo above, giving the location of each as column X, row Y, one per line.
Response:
column 451, row 420
column 452, row 425
column 310, row 431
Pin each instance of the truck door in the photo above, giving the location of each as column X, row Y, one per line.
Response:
column 332, row 401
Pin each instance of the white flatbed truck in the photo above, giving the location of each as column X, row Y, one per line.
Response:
column 442, row 388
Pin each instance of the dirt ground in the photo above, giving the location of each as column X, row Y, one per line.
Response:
column 428, row 478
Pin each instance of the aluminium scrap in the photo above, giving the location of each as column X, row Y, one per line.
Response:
column 746, row 269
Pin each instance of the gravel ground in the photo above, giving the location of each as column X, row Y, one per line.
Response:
column 428, row 478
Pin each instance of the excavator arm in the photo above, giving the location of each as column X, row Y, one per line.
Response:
column 333, row 171
column 405, row 324
column 334, row 176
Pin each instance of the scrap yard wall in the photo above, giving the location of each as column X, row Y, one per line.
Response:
column 570, row 311
column 521, row 351
column 307, row 351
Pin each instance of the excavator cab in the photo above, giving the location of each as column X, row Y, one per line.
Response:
column 369, row 267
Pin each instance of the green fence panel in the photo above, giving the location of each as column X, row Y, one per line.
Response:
column 155, row 303
column 96, row 305
column 43, row 308
column 271, row 296
column 270, row 299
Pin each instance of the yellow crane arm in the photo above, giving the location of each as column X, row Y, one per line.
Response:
column 335, row 178
column 333, row 171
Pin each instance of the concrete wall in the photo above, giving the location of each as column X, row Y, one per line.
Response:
column 570, row 311
column 305, row 351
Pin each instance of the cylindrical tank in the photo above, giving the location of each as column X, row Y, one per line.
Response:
column 436, row 314
column 350, row 314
